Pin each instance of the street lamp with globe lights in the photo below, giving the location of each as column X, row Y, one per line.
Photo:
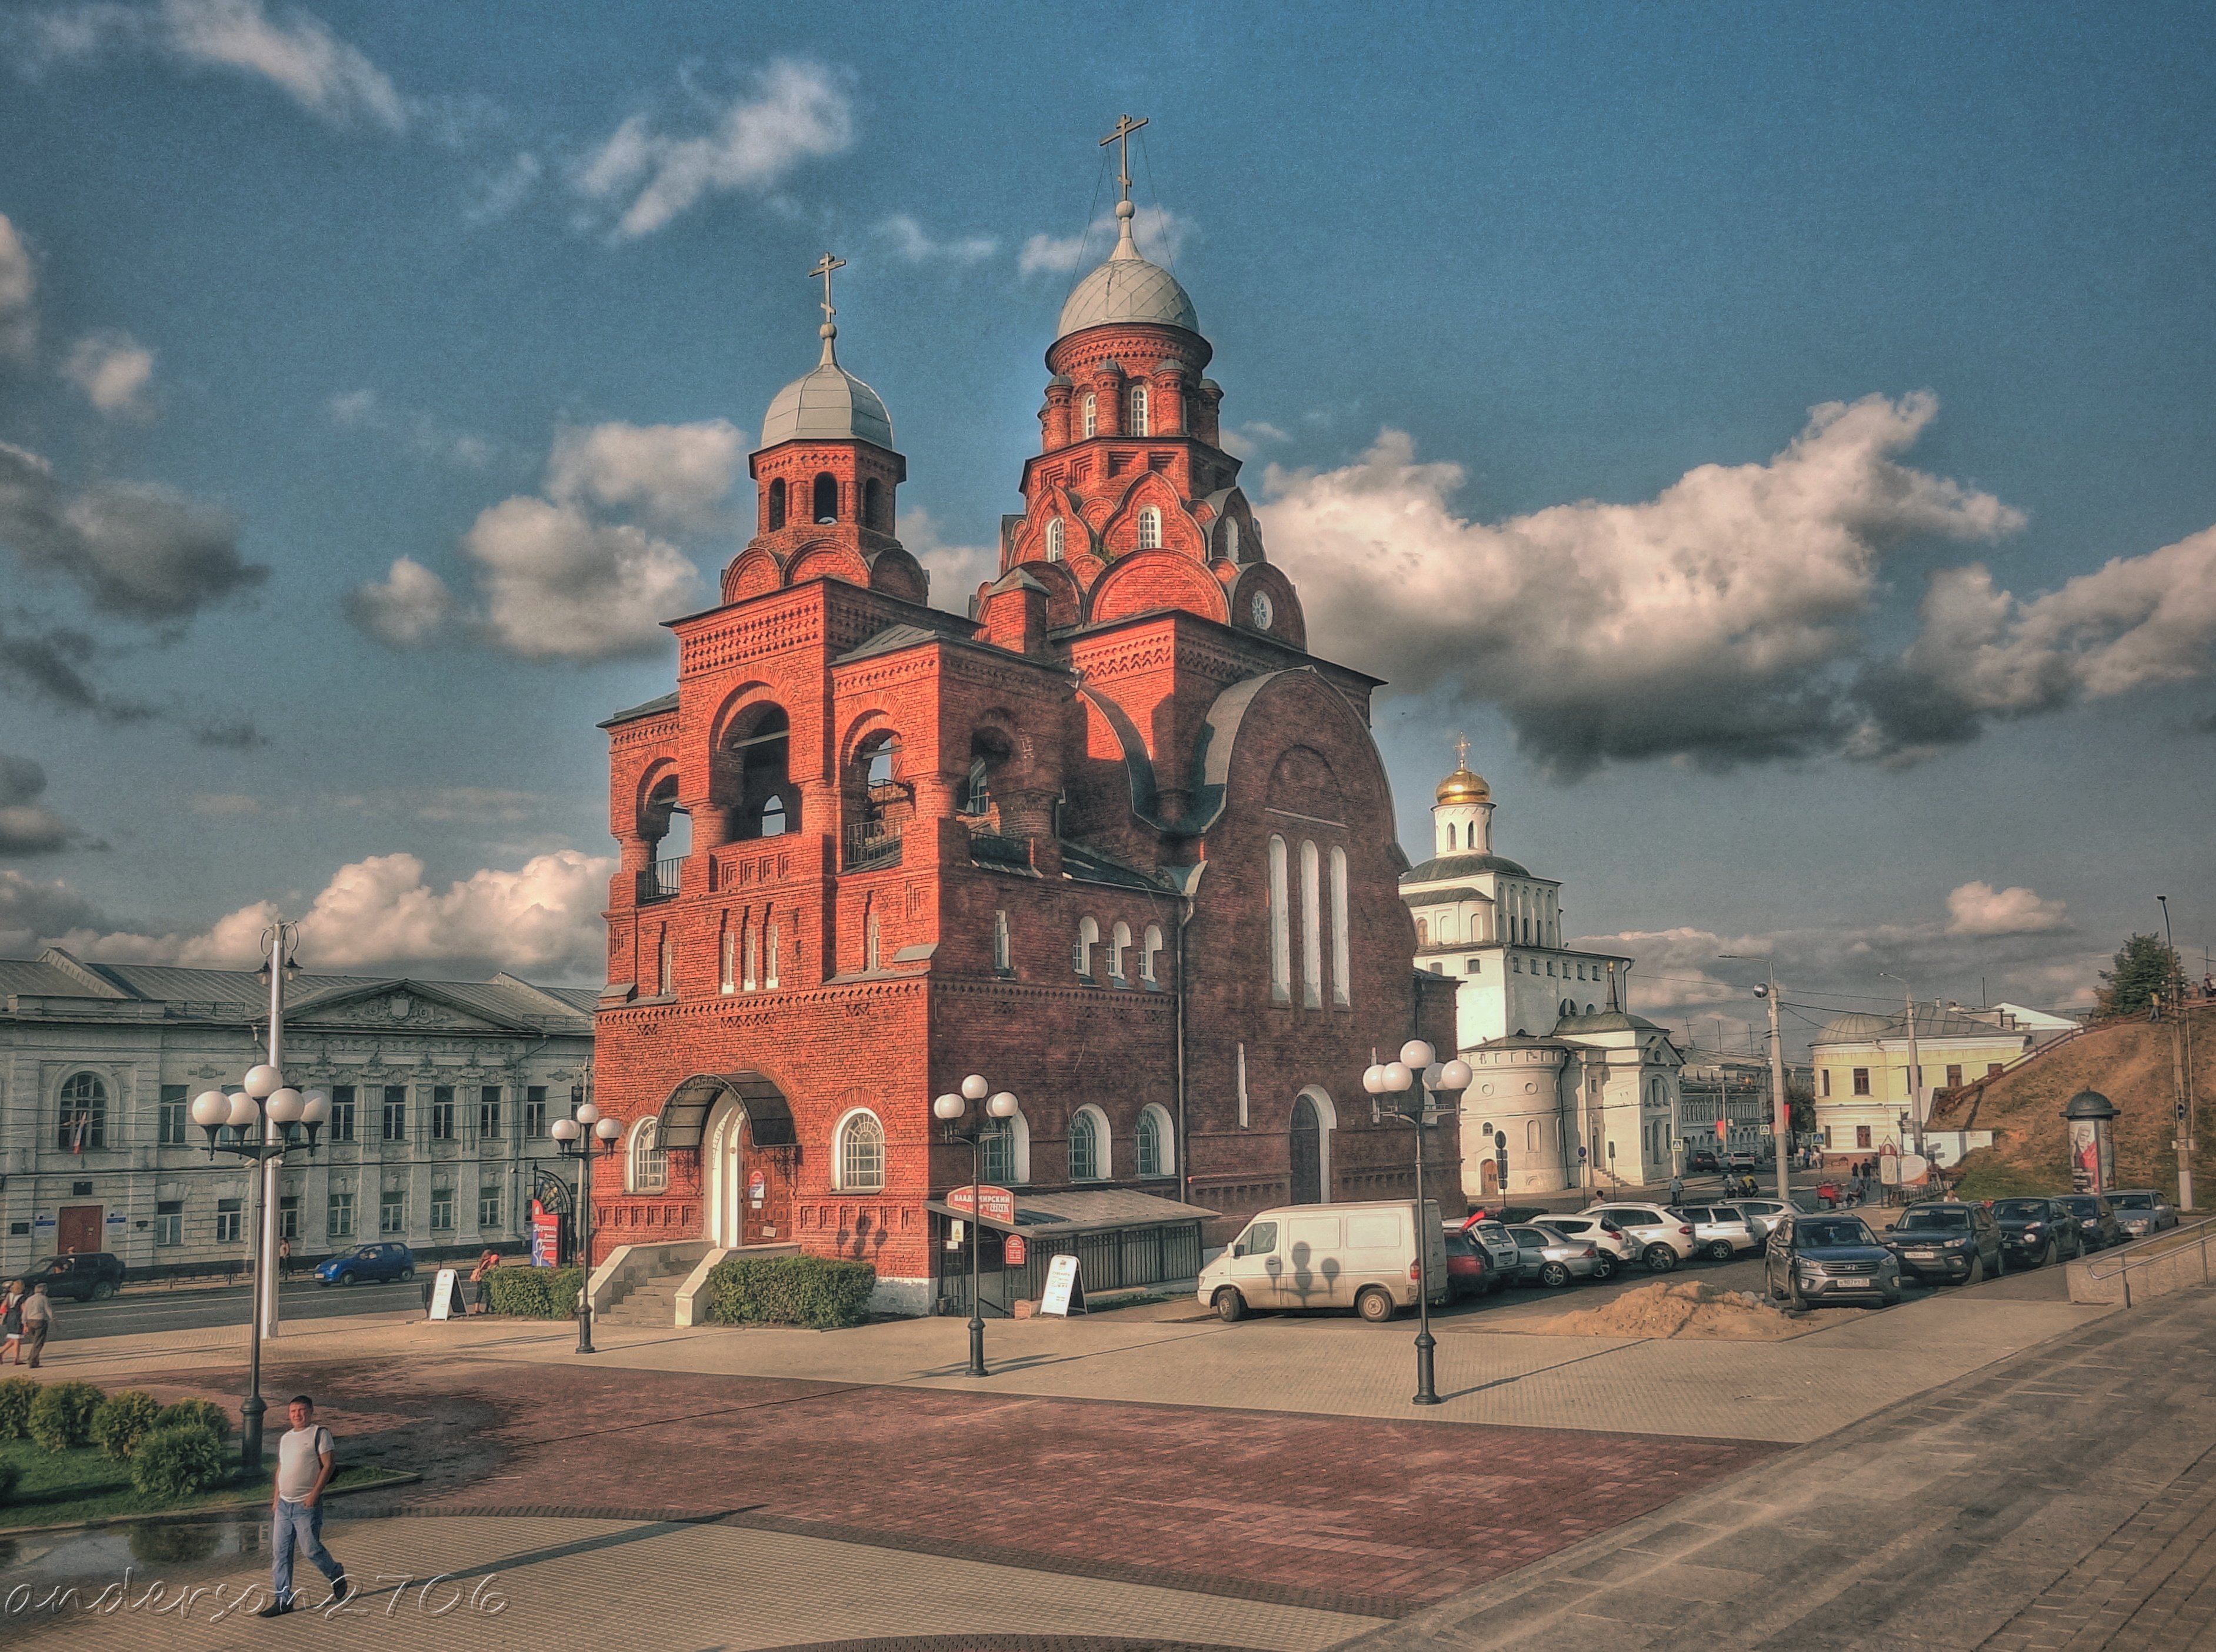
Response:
column 952, row 1110
column 583, row 1135
column 1412, row 1080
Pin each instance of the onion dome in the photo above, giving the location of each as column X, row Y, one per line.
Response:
column 1463, row 787
column 830, row 404
column 1127, row 288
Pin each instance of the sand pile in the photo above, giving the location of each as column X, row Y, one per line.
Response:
column 1687, row 1308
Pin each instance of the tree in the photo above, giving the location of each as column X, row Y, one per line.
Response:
column 2144, row 967
column 1800, row 1107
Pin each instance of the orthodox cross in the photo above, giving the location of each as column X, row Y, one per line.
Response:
column 1121, row 138
column 824, row 266
column 1461, row 751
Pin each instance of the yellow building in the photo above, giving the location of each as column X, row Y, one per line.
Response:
column 1864, row 1089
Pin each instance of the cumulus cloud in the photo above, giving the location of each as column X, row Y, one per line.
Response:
column 421, row 432
column 26, row 825
column 919, row 246
column 19, row 287
column 956, row 570
column 138, row 551
column 297, row 52
column 376, row 914
column 791, row 112
column 1978, row 908
column 559, row 586
column 114, row 371
column 32, row 911
column 1716, row 620
column 672, row 476
column 409, row 607
column 49, row 663
column 1161, row 233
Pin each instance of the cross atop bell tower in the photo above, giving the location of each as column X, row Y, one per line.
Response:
column 1121, row 138
column 829, row 330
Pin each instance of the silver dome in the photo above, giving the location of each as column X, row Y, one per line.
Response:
column 830, row 404
column 1127, row 288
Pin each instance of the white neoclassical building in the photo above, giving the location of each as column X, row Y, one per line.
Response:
column 1571, row 1091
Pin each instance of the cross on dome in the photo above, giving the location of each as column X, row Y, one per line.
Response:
column 829, row 330
column 1125, row 246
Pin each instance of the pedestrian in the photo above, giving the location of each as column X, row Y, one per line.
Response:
column 306, row 1462
column 283, row 1259
column 481, row 1276
column 38, row 1322
column 11, row 1321
column 1676, row 1189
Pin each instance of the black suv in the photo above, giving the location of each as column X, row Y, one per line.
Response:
column 2098, row 1226
column 87, row 1275
column 2036, row 1232
column 1943, row 1239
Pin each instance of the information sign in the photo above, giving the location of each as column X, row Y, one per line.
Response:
column 545, row 1236
column 1012, row 1253
column 1000, row 1204
column 446, row 1294
column 1065, row 1295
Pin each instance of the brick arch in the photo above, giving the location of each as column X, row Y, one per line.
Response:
column 750, row 574
column 1065, row 596
column 861, row 726
column 741, row 703
column 1149, row 580
column 1120, row 531
column 1288, row 624
column 1303, row 782
column 897, row 574
column 823, row 560
column 651, row 780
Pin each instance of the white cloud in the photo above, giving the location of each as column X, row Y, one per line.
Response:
column 559, row 586
column 297, row 53
column 114, row 371
column 1713, row 621
column 956, row 571
column 1241, row 441
column 916, row 244
column 408, row 608
column 675, row 477
column 420, row 432
column 1978, row 908
column 1161, row 233
column 19, row 286
column 32, row 912
column 792, row 112
column 495, row 192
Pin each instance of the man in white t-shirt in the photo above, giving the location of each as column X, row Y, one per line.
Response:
column 304, row 1466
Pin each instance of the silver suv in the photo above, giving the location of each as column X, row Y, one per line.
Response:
column 1664, row 1240
column 1721, row 1232
column 1763, row 1215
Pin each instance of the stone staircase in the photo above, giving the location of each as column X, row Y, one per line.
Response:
column 653, row 1301
column 638, row 1284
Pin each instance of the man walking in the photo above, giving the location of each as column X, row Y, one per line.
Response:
column 37, row 1321
column 1676, row 1189
column 304, row 1466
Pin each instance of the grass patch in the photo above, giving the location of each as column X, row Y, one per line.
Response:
column 74, row 1487
column 1985, row 1176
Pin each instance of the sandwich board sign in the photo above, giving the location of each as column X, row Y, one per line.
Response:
column 446, row 1294
column 1064, row 1295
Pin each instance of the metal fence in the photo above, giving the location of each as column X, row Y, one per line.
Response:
column 2181, row 1256
column 1114, row 1259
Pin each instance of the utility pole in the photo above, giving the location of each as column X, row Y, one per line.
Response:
column 1915, row 1065
column 2181, row 1062
column 1781, row 1112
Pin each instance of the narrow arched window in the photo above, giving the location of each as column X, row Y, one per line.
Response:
column 1054, row 540
column 666, row 972
column 1148, row 1138
column 650, row 1164
column 83, row 1113
column 1000, row 1143
column 1092, row 415
column 769, row 959
column 1150, row 529
column 1002, row 957
column 777, row 504
column 826, row 498
column 861, row 1154
column 1139, row 427
column 1311, row 925
column 1231, row 537
column 1342, row 985
column 1451, row 834
column 977, row 791
column 747, row 976
column 1531, row 1136
column 1281, row 926
column 1088, row 936
column 1119, row 945
column 773, row 818
column 873, row 505
column 1084, row 1148
column 869, row 933
column 1150, row 955
column 727, row 956
column 1423, row 931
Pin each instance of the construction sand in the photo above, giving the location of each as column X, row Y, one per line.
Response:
column 1688, row 1308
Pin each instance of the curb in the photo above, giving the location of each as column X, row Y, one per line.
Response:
column 226, row 1511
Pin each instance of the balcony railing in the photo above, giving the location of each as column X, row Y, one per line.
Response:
column 661, row 881
column 871, row 845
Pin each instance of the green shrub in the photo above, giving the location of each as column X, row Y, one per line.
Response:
column 535, row 1292
column 815, row 1291
column 9, row 1474
column 61, row 1416
column 178, row 1462
column 123, row 1420
column 205, row 1413
column 16, row 1395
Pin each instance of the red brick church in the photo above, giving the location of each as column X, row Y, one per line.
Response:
column 1115, row 841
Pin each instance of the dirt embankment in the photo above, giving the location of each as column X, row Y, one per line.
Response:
column 1688, row 1308
column 2130, row 1062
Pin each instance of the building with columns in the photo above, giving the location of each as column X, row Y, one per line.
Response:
column 1572, row 1091
column 1113, row 838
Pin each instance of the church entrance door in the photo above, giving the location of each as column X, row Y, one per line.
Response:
column 748, row 1189
column 1307, row 1153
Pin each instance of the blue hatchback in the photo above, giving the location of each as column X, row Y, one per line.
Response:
column 370, row 1263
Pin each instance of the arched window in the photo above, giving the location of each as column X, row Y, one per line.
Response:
column 1092, row 415
column 1451, row 834
column 1150, row 953
column 1008, row 1151
column 777, row 504
column 874, row 506
column 976, row 790
column 1311, row 925
column 727, row 949
column 1150, row 529
column 649, row 1167
column 861, row 1154
column 1088, row 1145
column 769, row 959
column 1081, row 956
column 1231, row 537
column 1139, row 411
column 666, row 970
column 1281, row 926
column 1531, row 1136
column 751, row 774
column 869, row 933
column 1003, row 958
column 826, row 498
column 1423, row 931
column 1119, row 945
column 773, row 818
column 1342, row 985
column 83, row 1113
column 1157, row 1142
column 1054, row 540
column 751, row 942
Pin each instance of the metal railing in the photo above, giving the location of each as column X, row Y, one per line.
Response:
column 662, row 880
column 872, row 843
column 2176, row 1243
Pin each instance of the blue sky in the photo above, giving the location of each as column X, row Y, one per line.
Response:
column 289, row 293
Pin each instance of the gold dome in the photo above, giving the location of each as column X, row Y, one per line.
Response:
column 1463, row 787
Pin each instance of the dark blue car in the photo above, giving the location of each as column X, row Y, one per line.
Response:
column 368, row 1263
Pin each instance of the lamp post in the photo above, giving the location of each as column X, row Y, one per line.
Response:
column 1781, row 1110
column 1915, row 1066
column 260, row 1122
column 1412, row 1079
column 584, row 1136
column 2181, row 1054
column 953, row 1111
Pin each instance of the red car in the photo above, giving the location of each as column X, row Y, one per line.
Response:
column 1468, row 1271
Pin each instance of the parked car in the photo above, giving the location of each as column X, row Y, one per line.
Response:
column 2036, row 1232
column 1946, row 1240
column 1353, row 1256
column 1618, row 1249
column 1701, row 1162
column 1740, row 1158
column 1551, row 1258
column 1764, row 1215
column 1811, row 1260
column 2141, row 1211
column 1469, row 1272
column 1664, row 1240
column 2098, row 1226
column 1720, row 1232
column 87, row 1275
column 1500, row 1249
column 367, row 1264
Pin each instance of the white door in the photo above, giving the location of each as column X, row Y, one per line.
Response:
column 726, row 1173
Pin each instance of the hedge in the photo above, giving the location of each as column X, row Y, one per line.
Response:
column 205, row 1413
column 9, row 1474
column 62, row 1415
column 535, row 1292
column 178, row 1462
column 16, row 1395
column 123, row 1420
column 814, row 1291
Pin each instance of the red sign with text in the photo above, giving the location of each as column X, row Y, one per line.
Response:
column 999, row 1204
column 1012, row 1251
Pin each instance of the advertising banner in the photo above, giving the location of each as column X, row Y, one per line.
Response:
column 545, row 1238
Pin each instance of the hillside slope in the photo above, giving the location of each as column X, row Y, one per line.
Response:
column 2129, row 1062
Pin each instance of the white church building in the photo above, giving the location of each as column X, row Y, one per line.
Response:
column 1571, row 1091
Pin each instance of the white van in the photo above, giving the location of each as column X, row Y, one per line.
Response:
column 1359, row 1256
